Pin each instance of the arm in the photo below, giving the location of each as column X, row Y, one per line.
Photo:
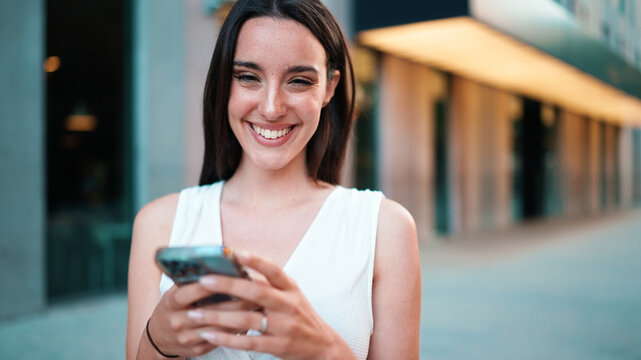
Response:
column 396, row 293
column 152, row 229
column 171, row 327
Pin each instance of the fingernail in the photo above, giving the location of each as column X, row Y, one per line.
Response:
column 208, row 281
column 196, row 315
column 211, row 337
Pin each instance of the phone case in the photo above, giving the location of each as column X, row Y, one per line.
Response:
column 185, row 265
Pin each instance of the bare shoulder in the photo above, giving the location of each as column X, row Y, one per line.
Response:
column 396, row 242
column 152, row 229
column 394, row 217
column 154, row 221
column 396, row 297
column 396, row 228
column 160, row 209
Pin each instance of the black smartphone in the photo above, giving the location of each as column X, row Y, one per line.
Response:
column 185, row 265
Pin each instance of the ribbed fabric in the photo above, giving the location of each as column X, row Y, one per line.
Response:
column 333, row 263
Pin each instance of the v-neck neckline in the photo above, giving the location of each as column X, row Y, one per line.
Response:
column 303, row 239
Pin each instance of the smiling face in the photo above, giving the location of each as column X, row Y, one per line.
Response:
column 279, row 87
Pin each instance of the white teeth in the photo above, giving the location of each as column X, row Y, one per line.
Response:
column 271, row 134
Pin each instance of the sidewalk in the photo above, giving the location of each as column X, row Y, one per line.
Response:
column 553, row 290
column 89, row 329
column 557, row 290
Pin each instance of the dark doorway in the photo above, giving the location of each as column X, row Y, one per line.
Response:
column 89, row 208
column 442, row 220
column 528, row 148
column 536, row 172
column 636, row 145
column 366, row 127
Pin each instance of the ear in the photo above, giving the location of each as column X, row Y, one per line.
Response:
column 331, row 86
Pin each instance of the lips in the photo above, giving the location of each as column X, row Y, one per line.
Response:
column 271, row 134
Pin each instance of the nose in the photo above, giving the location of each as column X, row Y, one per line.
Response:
column 272, row 106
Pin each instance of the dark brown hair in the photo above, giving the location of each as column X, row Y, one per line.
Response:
column 326, row 149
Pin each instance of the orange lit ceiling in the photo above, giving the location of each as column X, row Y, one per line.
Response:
column 471, row 49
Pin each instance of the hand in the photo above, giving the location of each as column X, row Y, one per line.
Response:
column 294, row 330
column 175, row 324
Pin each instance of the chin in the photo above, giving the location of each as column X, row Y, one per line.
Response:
column 271, row 164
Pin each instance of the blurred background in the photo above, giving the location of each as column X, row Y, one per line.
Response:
column 511, row 130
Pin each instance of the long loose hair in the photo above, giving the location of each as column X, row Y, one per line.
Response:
column 325, row 151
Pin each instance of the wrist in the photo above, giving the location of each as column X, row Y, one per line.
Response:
column 161, row 354
column 146, row 351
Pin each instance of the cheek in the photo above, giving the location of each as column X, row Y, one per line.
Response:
column 239, row 103
column 308, row 107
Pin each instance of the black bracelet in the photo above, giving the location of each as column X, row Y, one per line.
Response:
column 154, row 345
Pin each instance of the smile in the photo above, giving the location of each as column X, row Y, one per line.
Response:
column 271, row 134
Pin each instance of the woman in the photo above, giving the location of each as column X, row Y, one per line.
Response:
column 336, row 271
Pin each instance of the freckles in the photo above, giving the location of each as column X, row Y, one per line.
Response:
column 310, row 108
column 314, row 99
column 240, row 101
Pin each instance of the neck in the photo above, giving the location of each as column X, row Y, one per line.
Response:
column 253, row 185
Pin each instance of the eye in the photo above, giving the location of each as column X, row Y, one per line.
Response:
column 301, row 82
column 246, row 78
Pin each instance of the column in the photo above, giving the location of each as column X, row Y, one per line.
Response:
column 593, row 191
column 158, row 98
column 406, row 139
column 22, row 199
column 466, row 154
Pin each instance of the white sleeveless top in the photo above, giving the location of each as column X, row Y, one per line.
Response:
column 333, row 264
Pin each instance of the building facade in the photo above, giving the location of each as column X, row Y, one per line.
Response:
column 490, row 113
column 465, row 117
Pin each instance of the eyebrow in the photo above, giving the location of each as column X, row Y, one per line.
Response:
column 247, row 64
column 301, row 68
column 292, row 69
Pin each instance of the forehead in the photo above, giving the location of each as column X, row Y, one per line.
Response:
column 279, row 42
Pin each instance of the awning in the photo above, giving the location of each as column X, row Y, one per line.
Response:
column 534, row 50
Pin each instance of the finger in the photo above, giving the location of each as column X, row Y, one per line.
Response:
column 192, row 339
column 203, row 348
column 234, row 320
column 263, row 295
column 185, row 295
column 236, row 305
column 256, row 276
column 262, row 343
column 196, row 316
column 272, row 272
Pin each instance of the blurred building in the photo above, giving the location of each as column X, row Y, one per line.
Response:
column 100, row 113
column 473, row 114
column 487, row 112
